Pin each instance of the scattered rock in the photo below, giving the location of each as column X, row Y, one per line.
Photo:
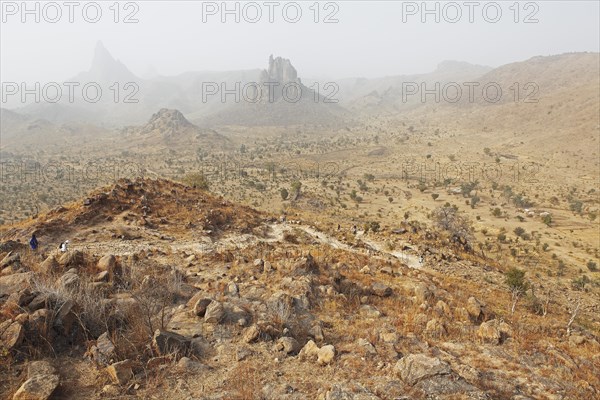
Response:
column 309, row 351
column 49, row 265
column 14, row 283
column 200, row 306
column 71, row 259
column 325, row 354
column 166, row 342
column 69, row 280
column 38, row 387
column 473, row 308
column 10, row 259
column 251, row 334
column 494, row 332
column 416, row 367
column 369, row 311
column 11, row 335
column 214, row 312
column 287, row 344
column 381, row 290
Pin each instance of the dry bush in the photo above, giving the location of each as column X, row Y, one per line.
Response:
column 245, row 384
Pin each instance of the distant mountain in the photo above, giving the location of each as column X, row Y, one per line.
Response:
column 279, row 98
column 385, row 95
column 106, row 69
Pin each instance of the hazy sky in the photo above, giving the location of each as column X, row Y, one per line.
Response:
column 370, row 38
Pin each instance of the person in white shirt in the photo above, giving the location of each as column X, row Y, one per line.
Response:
column 64, row 246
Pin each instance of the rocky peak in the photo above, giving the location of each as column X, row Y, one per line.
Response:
column 280, row 70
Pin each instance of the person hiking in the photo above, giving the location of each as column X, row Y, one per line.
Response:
column 63, row 246
column 33, row 242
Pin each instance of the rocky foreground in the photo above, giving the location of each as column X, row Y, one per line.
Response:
column 168, row 292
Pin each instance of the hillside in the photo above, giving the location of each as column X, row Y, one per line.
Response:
column 169, row 291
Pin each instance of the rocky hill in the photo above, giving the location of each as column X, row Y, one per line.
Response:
column 167, row 291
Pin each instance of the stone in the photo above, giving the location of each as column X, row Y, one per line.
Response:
column 381, row 290
column 71, row 259
column 165, row 342
column 473, row 308
column 40, row 368
column 232, row 289
column 443, row 309
column 157, row 362
column 325, row 355
column 120, row 372
column 49, row 265
column 267, row 266
column 38, row 387
column 69, row 280
column 416, row 367
column 309, row 351
column 186, row 364
column 369, row 311
column 102, row 276
column 493, row 332
column 316, row 331
column 10, row 259
column 242, row 353
column 200, row 307
column 214, row 312
column 576, row 340
column 251, row 334
column 287, row 344
column 14, row 283
column 435, row 328
column 422, row 292
column 11, row 335
column 104, row 350
column 107, row 263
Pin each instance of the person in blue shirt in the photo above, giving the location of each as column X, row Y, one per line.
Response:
column 33, row 242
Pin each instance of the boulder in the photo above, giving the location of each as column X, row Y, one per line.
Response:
column 14, row 283
column 381, row 290
column 200, row 306
column 103, row 351
column 107, row 263
column 309, row 351
column 287, row 344
column 493, row 332
column 38, row 387
column 165, row 342
column 10, row 259
column 416, row 367
column 251, row 334
column 325, row 355
column 11, row 335
column 473, row 308
column 71, row 259
column 69, row 280
column 40, row 368
column 214, row 312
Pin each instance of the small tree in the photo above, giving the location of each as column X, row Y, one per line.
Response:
column 284, row 193
column 547, row 219
column 518, row 286
column 435, row 196
column 196, row 179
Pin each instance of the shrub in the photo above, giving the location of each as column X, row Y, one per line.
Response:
column 197, row 180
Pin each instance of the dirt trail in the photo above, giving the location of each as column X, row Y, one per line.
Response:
column 241, row 241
